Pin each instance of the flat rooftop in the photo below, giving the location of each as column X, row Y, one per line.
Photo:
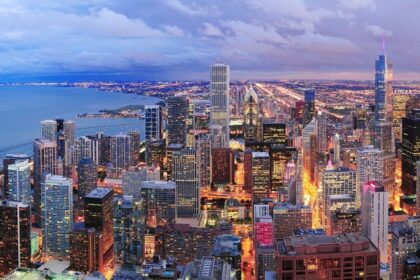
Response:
column 309, row 244
column 99, row 193
column 33, row 274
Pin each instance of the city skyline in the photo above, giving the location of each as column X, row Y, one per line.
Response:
column 178, row 39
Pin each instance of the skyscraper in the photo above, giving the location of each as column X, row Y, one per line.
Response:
column 322, row 133
column 252, row 124
column 219, row 101
column 134, row 147
column 410, row 151
column 222, row 166
column 338, row 182
column 85, row 249
column 375, row 216
column 8, row 160
column 261, row 186
column 184, row 173
column 15, row 232
column 120, row 152
column 288, row 217
column 56, row 215
column 129, row 221
column 153, row 122
column 177, row 107
column 87, row 176
column 19, row 175
column 49, row 130
column 337, row 156
column 369, row 168
column 203, row 147
column 45, row 162
column 99, row 215
column 159, row 202
column 309, row 106
column 383, row 89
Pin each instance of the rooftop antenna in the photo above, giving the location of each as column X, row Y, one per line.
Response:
column 383, row 44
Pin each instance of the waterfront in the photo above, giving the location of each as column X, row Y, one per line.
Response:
column 23, row 107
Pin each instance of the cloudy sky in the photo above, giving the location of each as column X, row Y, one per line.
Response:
column 179, row 39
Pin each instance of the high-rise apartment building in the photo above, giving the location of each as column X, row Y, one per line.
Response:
column 322, row 133
column 159, row 202
column 203, row 148
column 19, row 176
column 134, row 147
column 87, row 176
column 375, row 216
column 184, row 174
column 404, row 242
column 129, row 225
column 99, row 215
column 15, row 232
column 370, row 164
column 219, row 102
column 45, row 162
column 153, row 122
column 120, row 152
column 8, row 160
column 177, row 108
column 49, row 130
column 56, row 215
column 339, row 181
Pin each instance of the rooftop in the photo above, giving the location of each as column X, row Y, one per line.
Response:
column 99, row 193
column 322, row 244
column 33, row 274
column 158, row 185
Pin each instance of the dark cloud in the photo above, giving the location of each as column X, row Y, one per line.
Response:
column 179, row 39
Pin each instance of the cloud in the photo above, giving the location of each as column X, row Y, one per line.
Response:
column 194, row 9
column 357, row 4
column 210, row 30
column 377, row 31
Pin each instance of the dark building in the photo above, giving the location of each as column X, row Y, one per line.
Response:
column 134, row 147
column 309, row 106
column 86, row 250
column 410, row 151
column 222, row 166
column 86, row 176
column 104, row 148
column 345, row 221
column 9, row 160
column 274, row 133
column 248, row 170
column 342, row 256
column 155, row 153
column 177, row 108
column 99, row 216
column 15, row 226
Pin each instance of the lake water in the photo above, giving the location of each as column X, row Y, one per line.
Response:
column 23, row 107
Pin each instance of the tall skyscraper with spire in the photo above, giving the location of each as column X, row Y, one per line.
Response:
column 383, row 136
column 219, row 103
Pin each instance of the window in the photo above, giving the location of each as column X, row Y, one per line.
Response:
column 287, row 265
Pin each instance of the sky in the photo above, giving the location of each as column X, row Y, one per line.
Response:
column 47, row 40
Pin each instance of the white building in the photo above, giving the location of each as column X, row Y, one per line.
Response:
column 374, row 212
column 56, row 215
column 20, row 181
column 219, row 101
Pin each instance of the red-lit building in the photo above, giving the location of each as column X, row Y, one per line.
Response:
column 342, row 256
column 222, row 166
column 299, row 108
column 263, row 228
